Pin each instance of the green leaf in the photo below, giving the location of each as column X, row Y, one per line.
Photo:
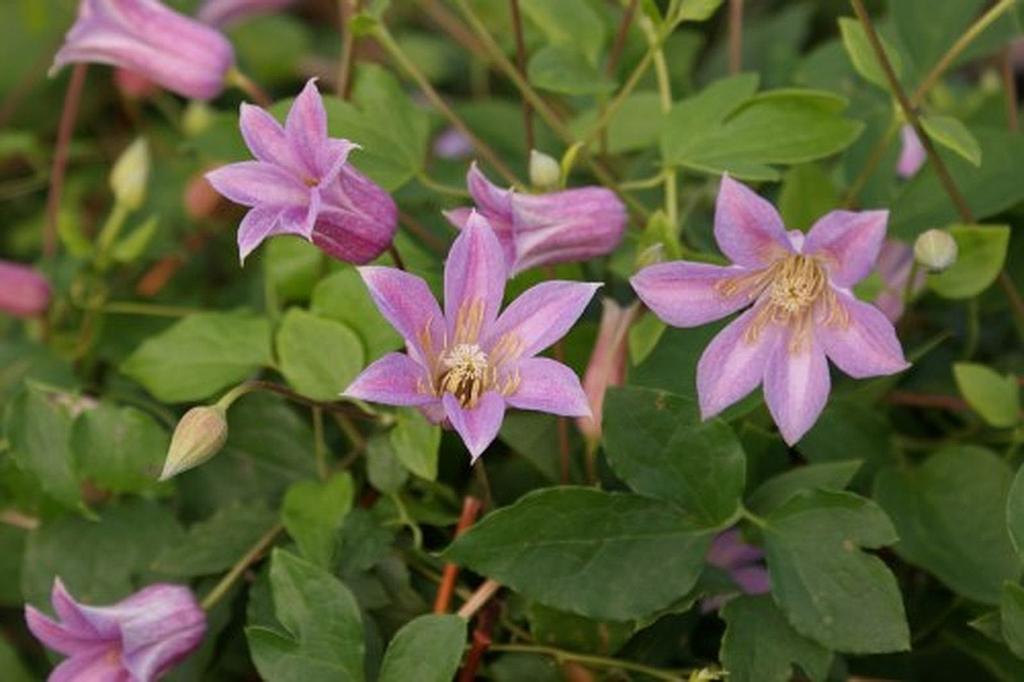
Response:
column 39, row 432
column 426, row 649
column 569, row 23
column 981, row 252
column 385, row 472
column 271, row 47
column 11, row 667
column 760, row 646
column 119, row 449
column 603, row 555
column 635, row 126
column 776, row 491
column 644, row 336
column 831, row 591
column 343, row 297
column 862, row 430
column 862, row 55
column 1011, row 617
column 577, row 633
column 950, row 513
column 564, row 70
column 993, row 396
column 313, row 513
column 319, row 357
column 702, row 113
column 415, row 442
column 293, row 267
column 200, row 355
column 657, row 443
column 324, row 639
column 131, row 248
column 698, row 10
column 807, row 194
column 954, row 135
column 215, row 544
column 1015, row 512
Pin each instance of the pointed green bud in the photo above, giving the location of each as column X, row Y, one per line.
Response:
column 545, row 173
column 199, row 435
column 130, row 174
column 197, row 119
column 935, row 250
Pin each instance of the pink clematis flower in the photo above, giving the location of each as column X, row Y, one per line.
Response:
column 467, row 364
column 744, row 564
column 301, row 184
column 607, row 366
column 137, row 639
column 912, row 153
column 803, row 310
column 23, row 291
column 544, row 229
column 895, row 262
column 144, row 36
column 221, row 13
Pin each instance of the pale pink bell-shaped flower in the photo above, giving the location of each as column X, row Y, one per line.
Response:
column 895, row 262
column 545, row 229
column 23, row 291
column 222, row 13
column 452, row 144
column 607, row 366
column 912, row 153
column 802, row 310
column 467, row 364
column 144, row 36
column 132, row 85
column 135, row 640
column 302, row 184
column 744, row 563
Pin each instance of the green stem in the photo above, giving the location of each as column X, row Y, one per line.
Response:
column 665, row 98
column 758, row 521
column 908, row 288
column 249, row 558
column 108, row 234
column 319, row 446
column 441, row 188
column 562, row 656
column 248, row 86
column 644, row 183
column 407, row 521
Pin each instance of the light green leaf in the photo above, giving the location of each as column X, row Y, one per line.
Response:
column 830, row 590
column 862, row 55
column 636, row 125
column 993, row 396
column 215, row 544
column 343, row 297
column 696, row 116
column 293, row 267
column 415, row 442
column 760, row 646
column 569, row 23
column 39, row 432
column 319, row 357
column 200, row 355
column 698, row 10
column 657, row 443
column 313, row 513
column 426, row 649
column 385, row 472
column 954, row 135
column 119, row 449
column 807, row 194
column 564, row 70
column 776, row 491
column 1011, row 617
column 644, row 336
column 602, row 555
column 131, row 248
column 324, row 639
column 981, row 252
column 950, row 513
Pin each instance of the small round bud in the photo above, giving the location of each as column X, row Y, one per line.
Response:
column 130, row 174
column 199, row 435
column 935, row 250
column 545, row 173
column 198, row 117
column 200, row 198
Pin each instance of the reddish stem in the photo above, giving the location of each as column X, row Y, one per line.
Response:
column 60, row 157
column 481, row 642
column 517, row 30
column 470, row 510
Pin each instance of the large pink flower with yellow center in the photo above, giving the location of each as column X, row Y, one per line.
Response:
column 467, row 364
column 801, row 308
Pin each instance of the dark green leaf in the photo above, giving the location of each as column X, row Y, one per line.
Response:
column 215, row 544
column 1011, row 616
column 415, row 442
column 39, row 431
column 119, row 449
column 577, row 633
column 778, row 490
column 313, row 513
column 426, row 649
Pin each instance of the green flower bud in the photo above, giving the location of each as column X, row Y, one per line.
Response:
column 197, row 119
column 935, row 250
column 545, row 173
column 130, row 174
column 199, row 435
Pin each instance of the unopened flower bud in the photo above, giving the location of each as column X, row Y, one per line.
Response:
column 197, row 119
column 200, row 198
column 935, row 250
column 23, row 291
column 199, row 435
column 545, row 173
column 130, row 174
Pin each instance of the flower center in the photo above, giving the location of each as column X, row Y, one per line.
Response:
column 466, row 373
column 796, row 284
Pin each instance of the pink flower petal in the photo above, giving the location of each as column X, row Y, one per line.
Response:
column 102, row 664
column 406, row 302
column 689, row 294
column 752, row 579
column 607, row 365
column 266, row 138
column 475, row 273
column 796, row 385
column 56, row 636
column 395, row 379
column 306, row 127
column 71, row 617
column 357, row 219
column 866, row 345
column 732, row 366
column 478, row 426
column 333, row 157
column 848, row 242
column 161, row 626
column 542, row 315
column 254, row 183
column 549, row 386
column 728, row 550
column 748, row 229
column 912, row 154
column 257, row 225
column 495, row 203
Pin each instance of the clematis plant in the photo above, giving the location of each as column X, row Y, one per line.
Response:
column 465, row 366
column 139, row 638
column 912, row 153
column 302, row 184
column 801, row 309
column 743, row 562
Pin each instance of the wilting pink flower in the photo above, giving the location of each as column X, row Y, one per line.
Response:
column 895, row 262
column 912, row 153
column 144, row 36
column 452, row 144
column 803, row 310
column 132, row 85
column 221, row 13
column 543, row 229
column 137, row 639
column 743, row 563
column 468, row 364
column 301, row 184
column 607, row 366
column 23, row 291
